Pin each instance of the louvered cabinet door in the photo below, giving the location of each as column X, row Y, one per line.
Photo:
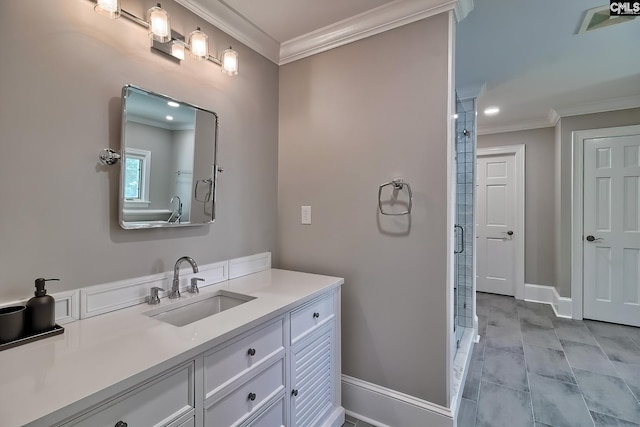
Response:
column 313, row 373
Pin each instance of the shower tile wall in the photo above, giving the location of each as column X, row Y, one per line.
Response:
column 465, row 159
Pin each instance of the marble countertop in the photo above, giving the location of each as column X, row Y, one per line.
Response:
column 98, row 357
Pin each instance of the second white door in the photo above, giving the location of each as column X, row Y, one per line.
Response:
column 612, row 229
column 496, row 226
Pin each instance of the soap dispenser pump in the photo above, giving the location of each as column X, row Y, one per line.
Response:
column 41, row 309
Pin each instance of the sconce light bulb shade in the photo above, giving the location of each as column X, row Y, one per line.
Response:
column 109, row 8
column 199, row 43
column 159, row 24
column 230, row 62
column 177, row 51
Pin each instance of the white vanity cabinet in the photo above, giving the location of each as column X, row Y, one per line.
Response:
column 315, row 363
column 167, row 401
column 283, row 372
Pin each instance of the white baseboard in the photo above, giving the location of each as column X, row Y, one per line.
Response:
column 384, row 407
column 562, row 306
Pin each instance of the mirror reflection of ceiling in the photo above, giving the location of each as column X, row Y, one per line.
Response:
column 153, row 111
column 532, row 60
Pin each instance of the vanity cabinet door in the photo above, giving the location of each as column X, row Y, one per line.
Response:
column 313, row 377
column 159, row 402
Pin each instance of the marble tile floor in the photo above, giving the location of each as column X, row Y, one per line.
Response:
column 532, row 369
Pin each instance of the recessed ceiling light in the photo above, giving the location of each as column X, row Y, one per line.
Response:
column 173, row 104
column 169, row 118
column 491, row 111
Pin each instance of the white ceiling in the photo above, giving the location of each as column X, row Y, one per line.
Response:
column 535, row 66
column 525, row 53
column 284, row 20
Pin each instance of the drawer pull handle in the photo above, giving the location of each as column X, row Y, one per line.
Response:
column 251, row 352
column 294, row 393
column 251, row 397
column 316, row 315
column 121, row 424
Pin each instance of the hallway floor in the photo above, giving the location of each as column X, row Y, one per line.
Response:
column 534, row 369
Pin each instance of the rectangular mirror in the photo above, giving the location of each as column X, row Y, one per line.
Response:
column 168, row 165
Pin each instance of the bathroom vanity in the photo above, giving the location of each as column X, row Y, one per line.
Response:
column 272, row 361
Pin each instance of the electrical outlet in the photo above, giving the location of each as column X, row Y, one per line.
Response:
column 305, row 217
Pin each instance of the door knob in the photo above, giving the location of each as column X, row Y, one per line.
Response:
column 510, row 232
column 591, row 238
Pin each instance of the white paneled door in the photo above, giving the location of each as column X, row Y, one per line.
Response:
column 496, row 227
column 611, row 235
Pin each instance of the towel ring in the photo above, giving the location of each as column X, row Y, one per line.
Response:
column 397, row 184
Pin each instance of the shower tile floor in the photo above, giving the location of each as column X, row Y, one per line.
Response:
column 531, row 368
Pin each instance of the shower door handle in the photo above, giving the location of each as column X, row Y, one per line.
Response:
column 461, row 240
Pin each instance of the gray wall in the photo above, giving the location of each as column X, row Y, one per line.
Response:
column 350, row 119
column 61, row 73
column 539, row 268
column 565, row 142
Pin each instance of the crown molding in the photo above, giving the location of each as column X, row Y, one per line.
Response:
column 462, row 9
column 600, row 106
column 471, row 91
column 372, row 22
column 237, row 26
column 553, row 117
column 366, row 24
column 524, row 125
column 555, row 114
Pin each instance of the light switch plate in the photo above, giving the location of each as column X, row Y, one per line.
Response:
column 305, row 217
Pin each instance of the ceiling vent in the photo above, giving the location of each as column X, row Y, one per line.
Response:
column 599, row 17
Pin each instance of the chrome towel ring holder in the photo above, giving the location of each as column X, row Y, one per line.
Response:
column 398, row 184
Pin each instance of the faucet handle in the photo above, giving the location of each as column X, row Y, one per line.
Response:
column 154, row 298
column 194, row 285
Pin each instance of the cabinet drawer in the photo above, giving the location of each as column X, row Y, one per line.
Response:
column 156, row 403
column 272, row 417
column 311, row 316
column 238, row 405
column 226, row 364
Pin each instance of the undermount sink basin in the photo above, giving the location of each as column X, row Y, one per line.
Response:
column 185, row 312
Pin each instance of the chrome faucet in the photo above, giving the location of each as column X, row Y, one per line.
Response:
column 175, row 287
column 176, row 215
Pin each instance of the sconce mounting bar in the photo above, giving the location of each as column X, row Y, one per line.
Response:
column 144, row 24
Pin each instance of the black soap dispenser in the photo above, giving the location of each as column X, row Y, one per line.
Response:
column 41, row 309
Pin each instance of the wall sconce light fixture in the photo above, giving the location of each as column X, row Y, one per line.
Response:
column 230, row 62
column 167, row 41
column 199, row 43
column 159, row 24
column 110, row 8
